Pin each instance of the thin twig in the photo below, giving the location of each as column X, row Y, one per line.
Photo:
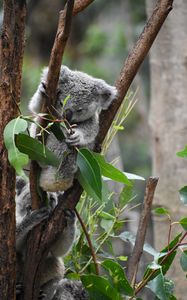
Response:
column 89, row 242
column 144, row 282
column 142, row 227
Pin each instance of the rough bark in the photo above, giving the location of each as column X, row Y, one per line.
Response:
column 168, row 119
column 11, row 55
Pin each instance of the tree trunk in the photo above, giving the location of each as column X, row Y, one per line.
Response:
column 168, row 119
column 11, row 53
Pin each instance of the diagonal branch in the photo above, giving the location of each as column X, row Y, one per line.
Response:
column 133, row 62
column 142, row 227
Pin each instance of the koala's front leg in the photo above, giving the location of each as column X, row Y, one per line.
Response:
column 31, row 219
column 84, row 133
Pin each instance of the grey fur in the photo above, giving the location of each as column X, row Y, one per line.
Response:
column 53, row 270
column 88, row 96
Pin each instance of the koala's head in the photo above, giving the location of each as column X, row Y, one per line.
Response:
column 87, row 95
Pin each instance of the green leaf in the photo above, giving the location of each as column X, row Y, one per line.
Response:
column 107, row 216
column 125, row 196
column 183, row 153
column 17, row 159
column 183, row 223
column 183, row 261
column 160, row 263
column 99, row 288
column 57, row 131
column 131, row 176
column 66, row 100
column 161, row 287
column 110, row 171
column 183, row 194
column 36, row 150
column 118, row 277
column 90, row 171
column 106, row 224
column 172, row 244
column 161, row 211
column 127, row 236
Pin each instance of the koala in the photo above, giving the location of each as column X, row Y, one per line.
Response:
column 52, row 284
column 87, row 97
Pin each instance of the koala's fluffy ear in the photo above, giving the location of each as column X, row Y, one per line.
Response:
column 44, row 74
column 108, row 94
column 64, row 74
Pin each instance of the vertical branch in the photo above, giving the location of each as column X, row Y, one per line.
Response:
column 63, row 31
column 11, row 57
column 142, row 227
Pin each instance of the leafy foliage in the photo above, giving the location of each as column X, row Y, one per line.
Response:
column 16, row 158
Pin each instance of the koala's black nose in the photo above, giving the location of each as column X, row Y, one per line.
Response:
column 68, row 114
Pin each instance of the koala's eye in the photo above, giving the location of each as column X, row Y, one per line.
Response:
column 106, row 95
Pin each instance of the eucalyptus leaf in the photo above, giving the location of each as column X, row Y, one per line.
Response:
column 90, row 171
column 16, row 158
column 118, row 277
column 161, row 287
column 108, row 170
column 125, row 196
column 36, row 150
column 57, row 131
column 183, row 261
column 183, row 194
column 99, row 288
column 161, row 211
column 127, row 236
column 183, row 223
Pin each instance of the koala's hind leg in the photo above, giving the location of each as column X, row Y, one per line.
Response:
column 32, row 219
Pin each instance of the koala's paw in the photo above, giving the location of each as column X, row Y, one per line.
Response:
column 76, row 138
column 38, row 215
column 70, row 216
column 42, row 295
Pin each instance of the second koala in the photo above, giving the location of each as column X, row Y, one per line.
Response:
column 87, row 97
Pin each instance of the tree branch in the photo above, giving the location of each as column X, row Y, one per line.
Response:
column 142, row 227
column 11, row 57
column 133, row 62
column 89, row 242
column 63, row 31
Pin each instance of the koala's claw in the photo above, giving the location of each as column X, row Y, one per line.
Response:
column 42, row 295
column 75, row 138
column 39, row 215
